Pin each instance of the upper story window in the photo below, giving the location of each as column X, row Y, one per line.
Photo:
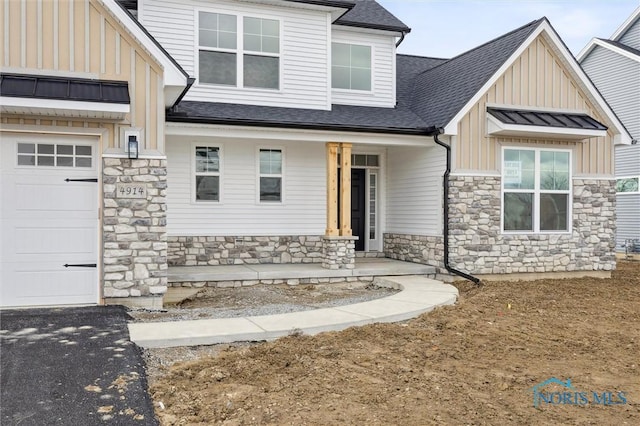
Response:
column 350, row 66
column 250, row 61
column 536, row 190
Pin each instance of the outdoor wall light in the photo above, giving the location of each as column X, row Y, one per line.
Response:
column 132, row 147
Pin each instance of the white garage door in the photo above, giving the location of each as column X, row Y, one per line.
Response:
column 48, row 221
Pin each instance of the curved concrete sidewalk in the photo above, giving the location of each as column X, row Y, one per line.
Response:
column 418, row 295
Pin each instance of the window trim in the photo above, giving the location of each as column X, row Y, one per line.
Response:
column 371, row 91
column 55, row 155
column 260, row 175
column 536, row 191
column 193, row 173
column 239, row 51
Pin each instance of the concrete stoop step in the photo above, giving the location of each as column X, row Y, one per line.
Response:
column 418, row 295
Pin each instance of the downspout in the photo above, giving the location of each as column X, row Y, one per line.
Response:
column 403, row 33
column 445, row 212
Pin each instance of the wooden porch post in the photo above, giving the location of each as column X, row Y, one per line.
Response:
column 332, row 189
column 345, row 190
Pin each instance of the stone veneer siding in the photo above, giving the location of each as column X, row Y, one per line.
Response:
column 478, row 246
column 423, row 249
column 134, row 229
column 240, row 250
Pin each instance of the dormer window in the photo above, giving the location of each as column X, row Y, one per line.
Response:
column 224, row 59
column 350, row 66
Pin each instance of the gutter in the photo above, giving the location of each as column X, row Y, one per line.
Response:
column 445, row 211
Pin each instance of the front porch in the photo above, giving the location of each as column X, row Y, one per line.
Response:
column 291, row 273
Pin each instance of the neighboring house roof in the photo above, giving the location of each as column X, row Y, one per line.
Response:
column 611, row 45
column 441, row 92
column 61, row 88
column 370, row 14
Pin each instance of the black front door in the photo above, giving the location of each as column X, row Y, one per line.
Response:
column 358, row 210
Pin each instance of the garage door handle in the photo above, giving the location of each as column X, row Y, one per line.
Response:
column 80, row 265
column 81, row 180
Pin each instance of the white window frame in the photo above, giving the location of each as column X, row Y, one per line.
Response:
column 239, row 50
column 537, row 191
column 55, row 143
column 193, row 173
column 627, row 177
column 260, row 175
column 352, row 91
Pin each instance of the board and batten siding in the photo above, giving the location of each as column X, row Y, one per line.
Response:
column 304, row 64
column 82, row 38
column 618, row 80
column 303, row 211
column 414, row 190
column 631, row 37
column 536, row 79
column 383, row 79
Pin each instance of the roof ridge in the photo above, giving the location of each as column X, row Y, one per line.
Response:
column 537, row 22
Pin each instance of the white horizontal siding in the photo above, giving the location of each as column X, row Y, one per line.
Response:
column 628, row 218
column 304, row 40
column 632, row 36
column 302, row 213
column 414, row 190
column 627, row 160
column 618, row 79
column 383, row 80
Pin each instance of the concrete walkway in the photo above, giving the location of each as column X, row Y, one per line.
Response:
column 418, row 295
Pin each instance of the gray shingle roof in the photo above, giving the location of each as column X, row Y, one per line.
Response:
column 370, row 14
column 340, row 117
column 441, row 92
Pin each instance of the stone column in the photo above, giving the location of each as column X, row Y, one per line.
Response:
column 339, row 252
column 134, row 231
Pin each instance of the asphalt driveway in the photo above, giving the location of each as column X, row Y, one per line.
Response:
column 71, row 366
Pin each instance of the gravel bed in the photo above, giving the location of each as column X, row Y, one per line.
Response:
column 264, row 300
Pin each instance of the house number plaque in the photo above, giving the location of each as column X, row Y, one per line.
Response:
column 130, row 190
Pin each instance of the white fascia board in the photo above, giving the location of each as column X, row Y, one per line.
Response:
column 452, row 127
column 496, row 127
column 626, row 25
column 586, row 50
column 617, row 50
column 172, row 74
column 9, row 102
column 300, row 135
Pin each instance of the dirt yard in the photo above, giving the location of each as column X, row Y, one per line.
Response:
column 473, row 363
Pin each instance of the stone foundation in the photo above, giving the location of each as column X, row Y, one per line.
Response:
column 240, row 250
column 289, row 281
column 134, row 229
column 339, row 252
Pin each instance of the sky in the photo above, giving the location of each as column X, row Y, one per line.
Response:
column 446, row 28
